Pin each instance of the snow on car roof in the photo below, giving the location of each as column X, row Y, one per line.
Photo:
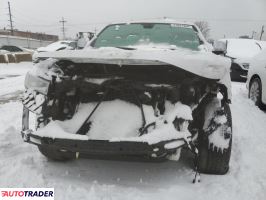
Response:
column 161, row 20
column 242, row 48
column 60, row 42
column 56, row 45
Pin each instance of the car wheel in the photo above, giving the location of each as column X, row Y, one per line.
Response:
column 212, row 158
column 255, row 91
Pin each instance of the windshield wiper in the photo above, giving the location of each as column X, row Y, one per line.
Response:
column 126, row 48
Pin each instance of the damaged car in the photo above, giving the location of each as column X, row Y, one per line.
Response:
column 141, row 89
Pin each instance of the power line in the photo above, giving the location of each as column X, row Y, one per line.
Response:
column 63, row 21
column 211, row 19
column 38, row 19
column 10, row 19
column 26, row 23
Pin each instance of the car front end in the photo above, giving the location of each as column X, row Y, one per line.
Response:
column 123, row 98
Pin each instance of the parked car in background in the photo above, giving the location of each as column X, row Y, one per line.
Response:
column 15, row 54
column 14, row 49
column 256, row 82
column 241, row 51
column 56, row 46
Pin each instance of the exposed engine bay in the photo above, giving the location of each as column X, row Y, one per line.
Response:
column 151, row 110
column 154, row 93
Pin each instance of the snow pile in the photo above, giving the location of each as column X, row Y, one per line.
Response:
column 165, row 132
column 112, row 119
column 15, row 69
column 54, row 130
column 164, row 127
column 12, row 77
column 181, row 111
column 115, row 119
column 118, row 120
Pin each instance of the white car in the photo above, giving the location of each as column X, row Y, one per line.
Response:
column 56, row 46
column 140, row 89
column 241, row 51
column 256, row 82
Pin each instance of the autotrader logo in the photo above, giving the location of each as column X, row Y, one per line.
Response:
column 26, row 193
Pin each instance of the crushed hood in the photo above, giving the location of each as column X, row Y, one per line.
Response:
column 204, row 64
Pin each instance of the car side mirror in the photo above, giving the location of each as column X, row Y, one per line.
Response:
column 219, row 47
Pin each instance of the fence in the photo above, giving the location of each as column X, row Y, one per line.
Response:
column 15, row 57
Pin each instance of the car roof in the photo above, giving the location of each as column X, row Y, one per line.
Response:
column 160, row 21
column 242, row 48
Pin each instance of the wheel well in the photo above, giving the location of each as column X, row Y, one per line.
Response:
column 252, row 78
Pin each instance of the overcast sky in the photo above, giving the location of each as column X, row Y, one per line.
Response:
column 229, row 18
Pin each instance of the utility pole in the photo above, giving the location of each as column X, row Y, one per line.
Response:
column 10, row 19
column 63, row 21
column 262, row 31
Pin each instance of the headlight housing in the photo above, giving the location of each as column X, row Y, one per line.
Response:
column 245, row 65
column 36, row 83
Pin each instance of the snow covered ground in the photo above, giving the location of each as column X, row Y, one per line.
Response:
column 21, row 165
column 12, row 80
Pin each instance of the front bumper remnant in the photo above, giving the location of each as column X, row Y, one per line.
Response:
column 100, row 148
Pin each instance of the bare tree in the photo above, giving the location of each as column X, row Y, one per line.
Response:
column 204, row 27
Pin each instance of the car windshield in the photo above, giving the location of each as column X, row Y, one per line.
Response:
column 138, row 34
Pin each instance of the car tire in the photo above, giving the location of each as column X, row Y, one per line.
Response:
column 55, row 154
column 213, row 160
column 255, row 92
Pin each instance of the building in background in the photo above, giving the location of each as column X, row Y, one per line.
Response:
column 26, row 39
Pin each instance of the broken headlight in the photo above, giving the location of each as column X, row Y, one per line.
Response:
column 33, row 101
column 36, row 83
